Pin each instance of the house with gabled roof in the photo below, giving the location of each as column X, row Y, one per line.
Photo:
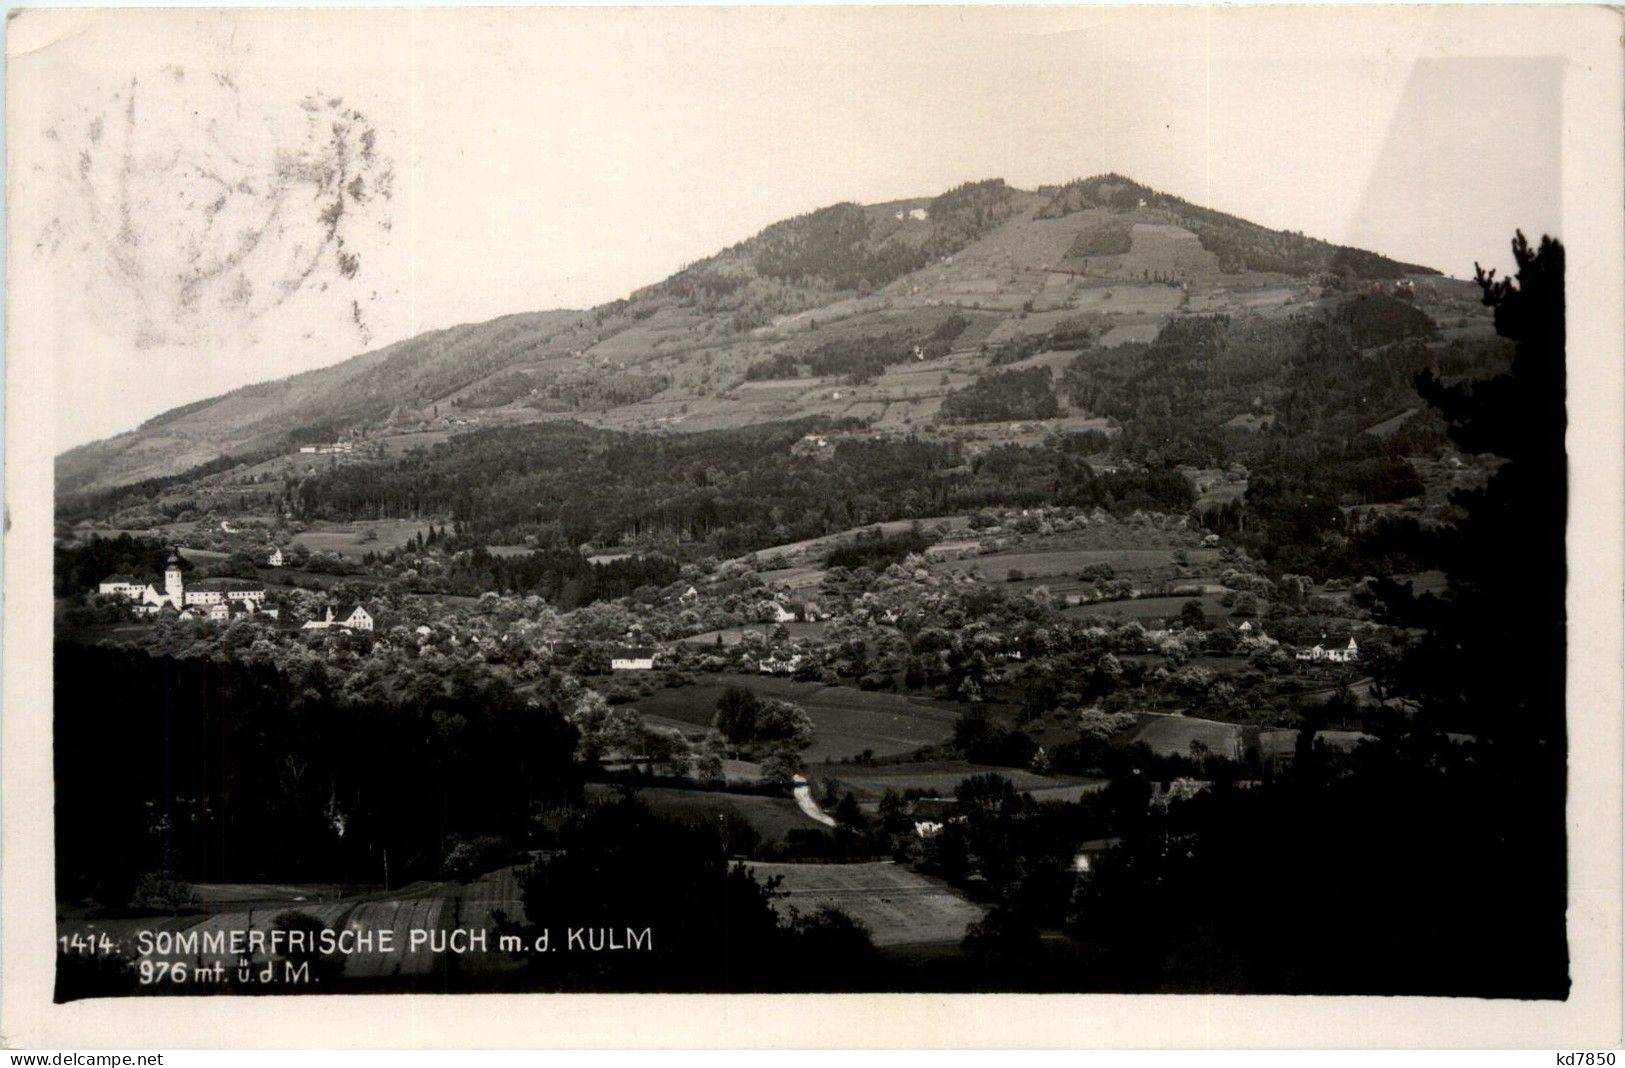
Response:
column 633, row 658
column 1335, row 650
column 357, row 618
column 122, row 585
column 223, row 591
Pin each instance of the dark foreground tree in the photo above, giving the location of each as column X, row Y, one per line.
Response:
column 1431, row 861
column 709, row 923
column 1495, row 661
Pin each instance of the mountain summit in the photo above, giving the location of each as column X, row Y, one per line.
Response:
column 844, row 311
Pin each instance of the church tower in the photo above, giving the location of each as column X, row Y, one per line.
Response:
column 174, row 584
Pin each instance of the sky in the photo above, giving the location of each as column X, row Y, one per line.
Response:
column 203, row 199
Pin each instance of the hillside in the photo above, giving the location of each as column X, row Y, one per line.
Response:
column 874, row 313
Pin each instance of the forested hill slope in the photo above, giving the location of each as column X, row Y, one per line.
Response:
column 770, row 328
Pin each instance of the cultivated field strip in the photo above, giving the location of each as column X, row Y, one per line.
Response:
column 897, row 906
column 401, row 917
column 478, row 908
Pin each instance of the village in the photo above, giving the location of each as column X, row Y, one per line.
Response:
column 904, row 687
column 1206, row 653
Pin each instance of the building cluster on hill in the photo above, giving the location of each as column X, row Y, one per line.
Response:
column 216, row 599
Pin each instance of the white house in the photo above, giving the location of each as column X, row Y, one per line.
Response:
column 357, row 619
column 275, row 559
column 1332, row 653
column 779, row 665
column 224, row 591
column 1347, row 653
column 150, row 601
column 632, row 658
column 777, row 613
column 127, row 586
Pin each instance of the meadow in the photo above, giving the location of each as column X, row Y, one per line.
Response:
column 1148, row 608
column 1173, row 736
column 1043, row 563
column 771, row 817
column 356, row 538
column 847, row 721
column 939, row 778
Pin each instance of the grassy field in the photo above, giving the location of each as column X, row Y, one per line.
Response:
column 1057, row 360
column 1147, row 608
column 896, row 905
column 1173, row 735
column 847, row 721
column 223, row 894
column 401, row 444
column 1425, row 581
column 1143, row 332
column 794, row 578
column 1283, row 744
column 818, row 548
column 771, row 817
column 356, row 539
column 1067, row 563
column 940, row 777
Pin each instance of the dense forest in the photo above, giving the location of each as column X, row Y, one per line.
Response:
column 1106, row 239
column 729, row 491
column 1023, row 394
column 1364, row 871
column 273, row 764
column 73, row 507
column 1312, row 378
column 81, row 565
column 562, row 575
column 861, row 359
column 1077, row 332
column 846, row 247
column 1452, row 819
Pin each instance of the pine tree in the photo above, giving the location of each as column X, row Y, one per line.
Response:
column 1495, row 663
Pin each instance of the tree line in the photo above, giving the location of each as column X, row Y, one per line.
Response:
column 726, row 491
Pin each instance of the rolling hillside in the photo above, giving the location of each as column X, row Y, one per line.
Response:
column 873, row 313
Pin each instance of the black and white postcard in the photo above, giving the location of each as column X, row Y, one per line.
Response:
column 1115, row 504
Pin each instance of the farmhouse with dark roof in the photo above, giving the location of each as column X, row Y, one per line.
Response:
column 632, row 658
